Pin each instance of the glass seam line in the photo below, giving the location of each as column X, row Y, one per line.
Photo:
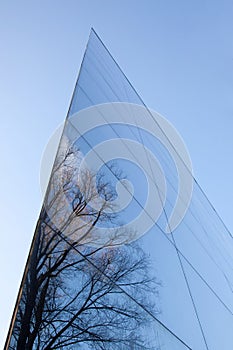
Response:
column 198, row 221
column 191, row 211
column 125, row 292
column 186, row 259
column 158, row 126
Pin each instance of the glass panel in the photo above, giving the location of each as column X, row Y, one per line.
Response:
column 216, row 321
column 104, row 272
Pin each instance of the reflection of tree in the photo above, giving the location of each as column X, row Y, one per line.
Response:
column 73, row 291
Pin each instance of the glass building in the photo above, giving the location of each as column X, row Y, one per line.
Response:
column 128, row 252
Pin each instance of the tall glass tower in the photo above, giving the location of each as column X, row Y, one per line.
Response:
column 128, row 253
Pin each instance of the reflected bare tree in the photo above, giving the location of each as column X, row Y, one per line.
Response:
column 78, row 294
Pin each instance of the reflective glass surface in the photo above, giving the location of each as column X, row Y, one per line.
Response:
column 128, row 252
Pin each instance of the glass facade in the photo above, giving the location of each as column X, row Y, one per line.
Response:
column 113, row 265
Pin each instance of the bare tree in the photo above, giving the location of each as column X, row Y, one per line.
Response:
column 77, row 293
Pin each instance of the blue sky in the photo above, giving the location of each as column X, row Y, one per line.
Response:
column 178, row 55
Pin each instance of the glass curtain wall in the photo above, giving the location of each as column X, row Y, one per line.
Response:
column 112, row 265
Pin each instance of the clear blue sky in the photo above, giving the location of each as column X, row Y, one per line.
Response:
column 178, row 55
